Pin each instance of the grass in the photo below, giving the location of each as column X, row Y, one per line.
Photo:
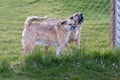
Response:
column 95, row 61
column 71, row 67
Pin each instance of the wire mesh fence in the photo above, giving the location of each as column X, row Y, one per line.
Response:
column 95, row 29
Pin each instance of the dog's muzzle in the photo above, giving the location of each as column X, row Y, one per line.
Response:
column 81, row 18
column 73, row 28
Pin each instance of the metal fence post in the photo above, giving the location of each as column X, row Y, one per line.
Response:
column 117, row 23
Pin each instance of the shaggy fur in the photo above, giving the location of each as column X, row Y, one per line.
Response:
column 75, row 35
column 52, row 32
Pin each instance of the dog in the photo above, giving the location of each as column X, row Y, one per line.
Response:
column 51, row 32
column 78, row 19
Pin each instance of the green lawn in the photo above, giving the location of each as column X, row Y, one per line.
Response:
column 95, row 61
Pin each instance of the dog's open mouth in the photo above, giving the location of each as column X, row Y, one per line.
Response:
column 80, row 18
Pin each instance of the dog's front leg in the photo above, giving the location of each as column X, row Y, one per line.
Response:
column 57, row 50
column 77, row 42
column 62, row 49
column 68, row 48
column 77, row 37
column 66, row 42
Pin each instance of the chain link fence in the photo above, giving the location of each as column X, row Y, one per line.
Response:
column 95, row 29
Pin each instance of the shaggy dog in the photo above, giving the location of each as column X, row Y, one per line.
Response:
column 51, row 32
column 75, row 35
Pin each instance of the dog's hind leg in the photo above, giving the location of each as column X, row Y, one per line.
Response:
column 46, row 48
column 77, row 42
column 28, row 48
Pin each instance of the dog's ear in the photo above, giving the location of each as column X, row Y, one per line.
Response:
column 71, row 17
column 81, row 14
column 76, row 14
column 64, row 22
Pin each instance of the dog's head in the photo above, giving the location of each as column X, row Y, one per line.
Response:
column 68, row 24
column 77, row 18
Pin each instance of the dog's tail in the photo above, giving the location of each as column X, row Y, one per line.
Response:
column 33, row 18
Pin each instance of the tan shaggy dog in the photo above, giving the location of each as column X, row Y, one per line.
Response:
column 51, row 32
column 75, row 35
